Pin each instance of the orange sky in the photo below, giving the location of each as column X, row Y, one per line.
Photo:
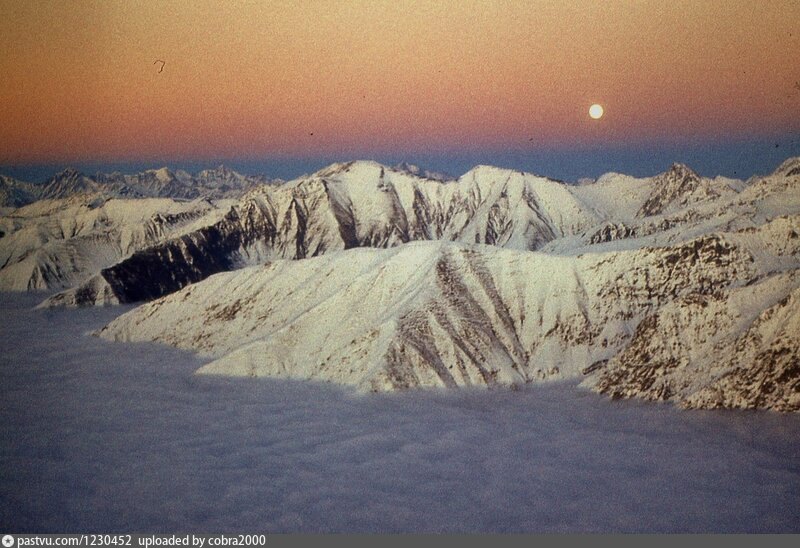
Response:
column 247, row 79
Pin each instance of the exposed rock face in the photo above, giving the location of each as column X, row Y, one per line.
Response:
column 424, row 173
column 96, row 292
column 716, row 350
column 764, row 367
column 190, row 258
column 56, row 244
column 675, row 188
column 612, row 231
column 68, row 183
column 789, row 168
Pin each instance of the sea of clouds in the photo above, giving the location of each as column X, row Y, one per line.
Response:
column 109, row 437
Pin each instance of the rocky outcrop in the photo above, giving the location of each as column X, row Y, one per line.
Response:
column 789, row 168
column 67, row 183
column 734, row 348
column 674, row 189
column 610, row 232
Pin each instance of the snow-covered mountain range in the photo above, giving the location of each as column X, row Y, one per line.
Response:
column 60, row 243
column 673, row 287
column 14, row 193
column 217, row 183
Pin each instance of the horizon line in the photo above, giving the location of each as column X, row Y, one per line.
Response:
column 577, row 165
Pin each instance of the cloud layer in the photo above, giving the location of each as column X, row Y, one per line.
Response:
column 108, row 436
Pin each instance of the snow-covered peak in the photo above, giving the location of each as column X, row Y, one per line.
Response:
column 5, row 180
column 355, row 169
column 676, row 187
column 789, row 168
column 221, row 171
column 14, row 193
column 417, row 171
column 680, row 171
column 66, row 174
column 613, row 177
column 162, row 174
column 370, row 170
column 484, row 172
column 67, row 182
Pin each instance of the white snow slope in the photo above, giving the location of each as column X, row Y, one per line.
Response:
column 60, row 243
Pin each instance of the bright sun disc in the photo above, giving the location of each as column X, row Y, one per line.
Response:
column 595, row 112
